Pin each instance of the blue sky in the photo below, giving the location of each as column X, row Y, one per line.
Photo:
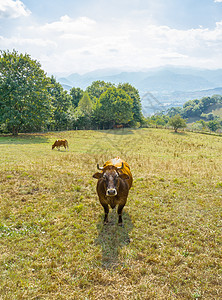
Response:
column 80, row 36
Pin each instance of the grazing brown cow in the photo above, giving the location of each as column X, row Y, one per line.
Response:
column 113, row 185
column 118, row 126
column 59, row 143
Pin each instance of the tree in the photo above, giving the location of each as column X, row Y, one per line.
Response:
column 174, row 111
column 83, row 112
column 97, row 88
column 61, row 104
column 76, row 94
column 177, row 122
column 213, row 125
column 209, row 117
column 113, row 107
column 134, row 95
column 206, row 102
column 24, row 99
column 85, row 104
column 159, row 119
column 190, row 108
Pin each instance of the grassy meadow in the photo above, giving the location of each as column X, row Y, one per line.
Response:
column 53, row 242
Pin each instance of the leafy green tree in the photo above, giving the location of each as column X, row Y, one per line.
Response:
column 24, row 98
column 83, row 112
column 214, row 125
column 199, row 125
column 197, row 110
column 134, row 95
column 209, row 117
column 85, row 104
column 76, row 94
column 177, row 122
column 61, row 104
column 160, row 120
column 189, row 108
column 191, row 103
column 205, row 102
column 114, row 107
column 174, row 111
column 97, row 88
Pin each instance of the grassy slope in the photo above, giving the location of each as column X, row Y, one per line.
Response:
column 54, row 246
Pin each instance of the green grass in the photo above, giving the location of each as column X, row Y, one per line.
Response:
column 53, row 242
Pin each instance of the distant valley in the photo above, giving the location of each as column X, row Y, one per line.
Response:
column 159, row 88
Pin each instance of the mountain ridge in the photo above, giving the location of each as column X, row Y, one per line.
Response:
column 169, row 84
column 204, row 77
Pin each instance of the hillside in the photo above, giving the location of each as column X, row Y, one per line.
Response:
column 53, row 241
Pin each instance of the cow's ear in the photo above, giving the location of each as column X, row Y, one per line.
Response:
column 124, row 176
column 97, row 175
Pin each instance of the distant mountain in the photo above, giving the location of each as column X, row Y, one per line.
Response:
column 170, row 81
column 168, row 84
column 159, row 79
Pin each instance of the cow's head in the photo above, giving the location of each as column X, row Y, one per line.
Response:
column 111, row 177
column 53, row 146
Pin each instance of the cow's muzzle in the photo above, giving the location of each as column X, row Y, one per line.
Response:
column 111, row 192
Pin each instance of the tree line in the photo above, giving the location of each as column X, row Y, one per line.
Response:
column 30, row 101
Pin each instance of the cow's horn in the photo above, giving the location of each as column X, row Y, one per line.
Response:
column 119, row 168
column 99, row 168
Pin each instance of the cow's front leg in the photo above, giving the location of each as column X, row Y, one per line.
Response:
column 106, row 210
column 120, row 208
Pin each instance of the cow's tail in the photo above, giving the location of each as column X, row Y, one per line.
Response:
column 67, row 145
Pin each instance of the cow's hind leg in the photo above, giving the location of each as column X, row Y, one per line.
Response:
column 120, row 208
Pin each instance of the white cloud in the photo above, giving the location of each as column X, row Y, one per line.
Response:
column 13, row 9
column 69, row 25
column 82, row 44
column 217, row 0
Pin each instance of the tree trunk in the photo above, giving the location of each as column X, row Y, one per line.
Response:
column 15, row 130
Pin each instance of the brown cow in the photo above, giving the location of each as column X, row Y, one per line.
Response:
column 113, row 185
column 118, row 126
column 59, row 143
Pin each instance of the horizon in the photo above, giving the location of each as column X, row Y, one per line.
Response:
column 130, row 70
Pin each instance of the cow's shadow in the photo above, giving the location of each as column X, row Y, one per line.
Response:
column 112, row 237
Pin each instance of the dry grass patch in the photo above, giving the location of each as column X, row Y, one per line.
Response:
column 54, row 245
